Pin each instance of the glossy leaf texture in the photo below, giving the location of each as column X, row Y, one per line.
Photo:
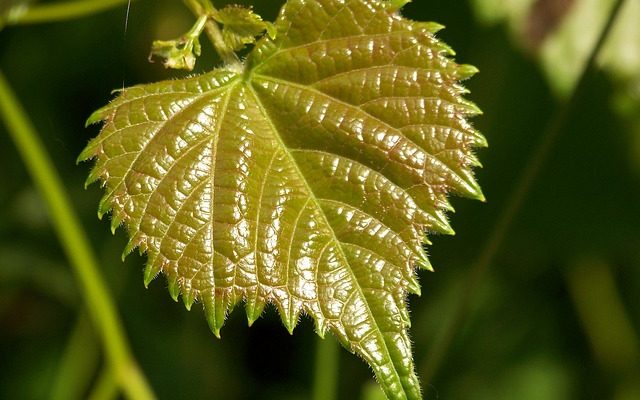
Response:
column 307, row 179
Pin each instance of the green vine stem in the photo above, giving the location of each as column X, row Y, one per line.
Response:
column 105, row 387
column 226, row 53
column 76, row 246
column 78, row 363
column 326, row 369
column 513, row 205
column 54, row 12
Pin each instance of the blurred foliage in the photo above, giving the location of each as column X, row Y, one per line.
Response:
column 562, row 33
column 534, row 330
column 12, row 7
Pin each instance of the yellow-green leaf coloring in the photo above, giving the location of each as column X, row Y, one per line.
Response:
column 306, row 180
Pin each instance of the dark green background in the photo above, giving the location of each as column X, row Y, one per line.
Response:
column 523, row 337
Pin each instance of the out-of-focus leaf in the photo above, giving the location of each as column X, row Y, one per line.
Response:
column 14, row 6
column 573, row 27
column 306, row 179
column 494, row 11
column 10, row 9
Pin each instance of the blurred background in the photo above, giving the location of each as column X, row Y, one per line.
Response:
column 554, row 315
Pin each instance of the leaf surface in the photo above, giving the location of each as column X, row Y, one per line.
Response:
column 306, row 180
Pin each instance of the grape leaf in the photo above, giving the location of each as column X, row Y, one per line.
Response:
column 306, row 179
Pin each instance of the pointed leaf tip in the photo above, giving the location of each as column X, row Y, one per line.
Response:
column 133, row 242
column 434, row 27
column 290, row 320
column 321, row 327
column 441, row 225
column 474, row 161
column 116, row 221
column 431, row 27
column 424, row 263
column 188, row 298
column 95, row 117
column 215, row 312
column 481, row 197
column 475, row 192
column 86, row 154
column 93, row 176
column 174, row 289
column 413, row 286
column 150, row 274
column 104, row 207
column 445, row 49
column 480, row 141
column 209, row 305
column 395, row 5
column 471, row 108
column 254, row 310
column 466, row 71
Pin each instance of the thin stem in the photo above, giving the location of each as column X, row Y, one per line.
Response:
column 54, row 12
column 605, row 321
column 197, row 28
column 326, row 369
column 514, row 204
column 75, row 244
column 105, row 387
column 78, row 363
column 205, row 7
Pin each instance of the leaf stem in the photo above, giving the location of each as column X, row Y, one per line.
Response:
column 205, row 7
column 105, row 387
column 54, row 12
column 78, row 363
column 75, row 244
column 326, row 369
column 514, row 203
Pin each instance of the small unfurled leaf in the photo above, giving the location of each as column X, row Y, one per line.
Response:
column 180, row 53
column 177, row 54
column 241, row 26
column 307, row 179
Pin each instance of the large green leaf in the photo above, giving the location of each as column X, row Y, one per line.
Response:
column 307, row 179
